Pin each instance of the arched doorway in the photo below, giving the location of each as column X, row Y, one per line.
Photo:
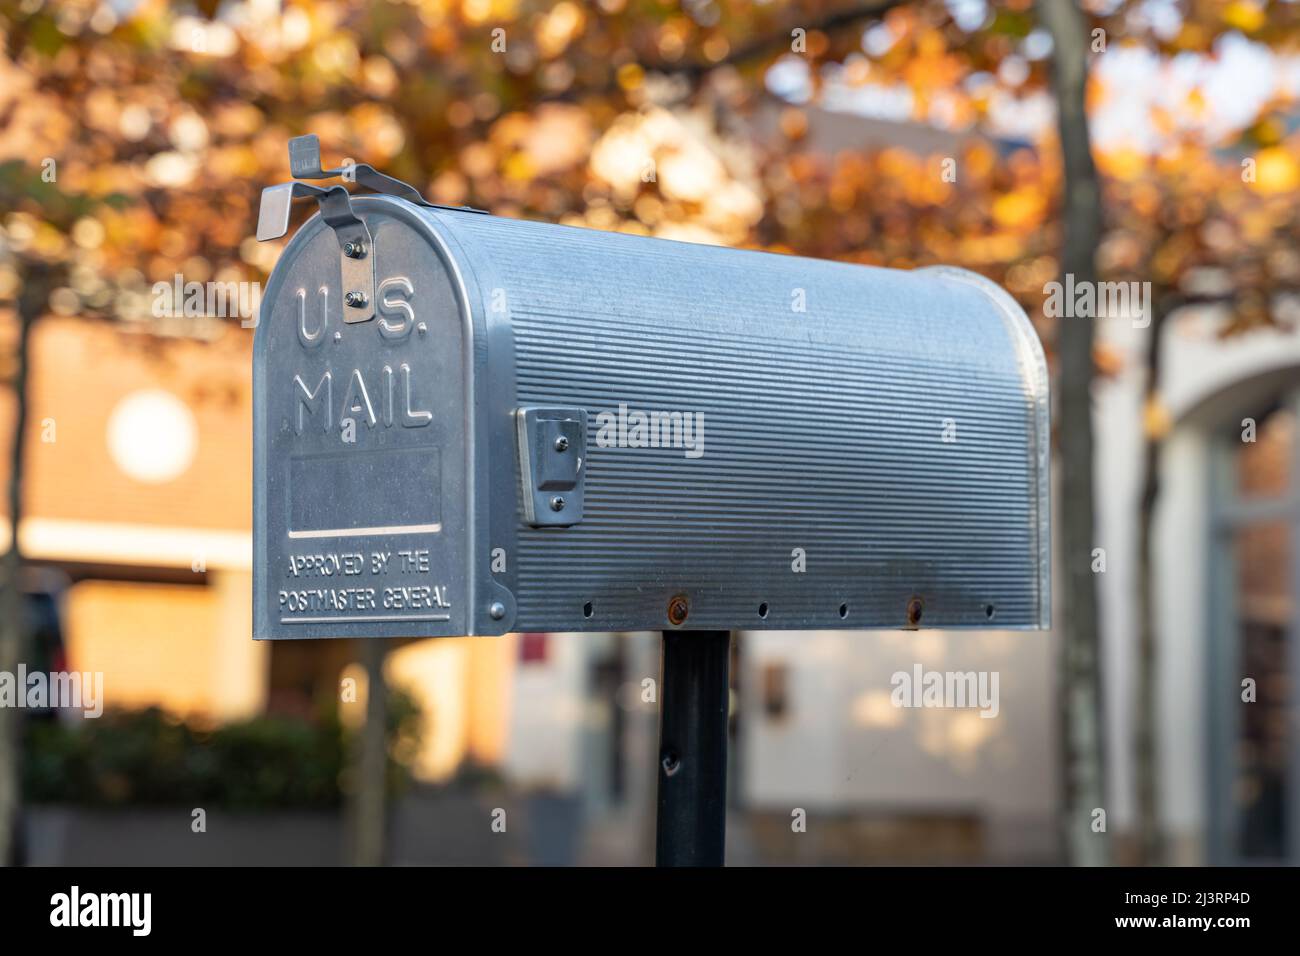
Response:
column 1253, row 654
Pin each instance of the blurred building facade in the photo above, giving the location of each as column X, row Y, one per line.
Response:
column 138, row 491
column 1226, row 528
column 136, row 486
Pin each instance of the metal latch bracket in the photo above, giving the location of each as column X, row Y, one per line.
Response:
column 356, row 247
column 552, row 464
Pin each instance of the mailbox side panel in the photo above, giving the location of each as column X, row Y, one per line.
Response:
column 362, row 442
column 786, row 443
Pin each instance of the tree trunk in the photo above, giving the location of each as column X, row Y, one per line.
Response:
column 1079, row 687
column 370, row 770
column 13, row 618
column 1150, row 844
column 1144, row 689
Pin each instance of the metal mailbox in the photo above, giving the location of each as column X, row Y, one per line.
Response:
column 465, row 424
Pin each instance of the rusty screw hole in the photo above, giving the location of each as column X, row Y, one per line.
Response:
column 914, row 611
column 678, row 609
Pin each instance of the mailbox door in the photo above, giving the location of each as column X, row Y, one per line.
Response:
column 361, row 442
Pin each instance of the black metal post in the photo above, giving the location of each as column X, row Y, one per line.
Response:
column 691, row 826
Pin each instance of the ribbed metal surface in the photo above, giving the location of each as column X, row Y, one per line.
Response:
column 824, row 430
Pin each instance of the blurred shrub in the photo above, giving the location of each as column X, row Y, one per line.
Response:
column 142, row 757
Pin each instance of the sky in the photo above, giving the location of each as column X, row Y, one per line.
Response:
column 1234, row 82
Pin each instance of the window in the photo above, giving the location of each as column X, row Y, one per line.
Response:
column 1256, row 517
column 776, row 703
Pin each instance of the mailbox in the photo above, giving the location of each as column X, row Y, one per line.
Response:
column 465, row 424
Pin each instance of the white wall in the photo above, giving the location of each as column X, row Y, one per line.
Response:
column 1180, row 545
column 1117, row 476
column 844, row 745
column 545, row 745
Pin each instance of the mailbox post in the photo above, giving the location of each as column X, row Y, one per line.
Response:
column 691, row 816
column 468, row 425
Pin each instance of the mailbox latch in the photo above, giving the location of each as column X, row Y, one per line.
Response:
column 552, row 464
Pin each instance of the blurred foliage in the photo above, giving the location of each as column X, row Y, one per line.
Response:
column 134, row 758
column 533, row 108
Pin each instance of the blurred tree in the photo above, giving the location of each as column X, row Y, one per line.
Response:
column 367, row 809
column 13, row 613
column 39, row 268
column 1082, row 752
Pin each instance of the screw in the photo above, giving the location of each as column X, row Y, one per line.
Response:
column 497, row 610
column 557, row 503
column 356, row 299
column 914, row 609
column 354, row 250
column 561, row 444
column 678, row 608
column 671, row 763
